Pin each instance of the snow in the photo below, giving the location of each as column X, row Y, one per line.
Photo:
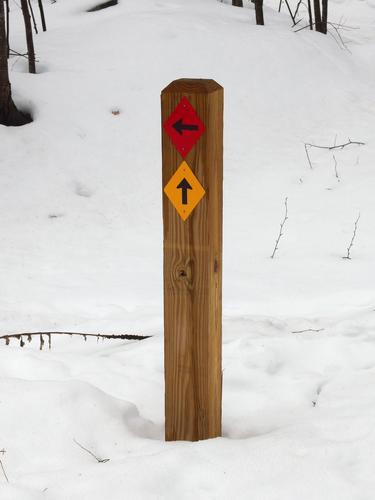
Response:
column 81, row 250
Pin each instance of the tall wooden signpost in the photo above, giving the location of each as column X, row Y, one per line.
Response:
column 192, row 124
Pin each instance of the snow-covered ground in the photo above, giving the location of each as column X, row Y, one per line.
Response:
column 81, row 250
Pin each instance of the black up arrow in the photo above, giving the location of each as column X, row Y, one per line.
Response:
column 180, row 127
column 184, row 186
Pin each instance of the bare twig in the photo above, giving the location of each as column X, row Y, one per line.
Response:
column 345, row 27
column 338, row 146
column 336, row 172
column 3, row 469
column 347, row 256
column 308, row 145
column 309, row 330
column 99, row 460
column 335, row 26
column 281, row 228
column 304, row 27
column 297, row 9
column 340, row 39
column 308, row 156
column 15, row 53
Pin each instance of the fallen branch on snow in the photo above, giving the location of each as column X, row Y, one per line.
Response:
column 29, row 336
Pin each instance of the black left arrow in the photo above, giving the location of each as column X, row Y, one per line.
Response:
column 179, row 126
column 184, row 186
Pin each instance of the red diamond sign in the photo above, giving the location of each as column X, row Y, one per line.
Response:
column 184, row 127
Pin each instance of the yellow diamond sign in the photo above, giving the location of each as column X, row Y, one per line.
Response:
column 184, row 190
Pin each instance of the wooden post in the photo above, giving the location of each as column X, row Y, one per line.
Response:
column 192, row 119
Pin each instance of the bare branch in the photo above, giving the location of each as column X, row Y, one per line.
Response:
column 304, row 27
column 347, row 256
column 290, row 12
column 336, row 28
column 309, row 330
column 29, row 336
column 281, row 229
column 338, row 146
column 308, row 156
column 309, row 145
column 15, row 53
column 99, row 460
column 3, row 469
column 336, row 172
column 297, row 9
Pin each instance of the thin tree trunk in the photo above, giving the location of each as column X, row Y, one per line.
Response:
column 259, row 12
column 7, row 20
column 9, row 114
column 237, row 3
column 43, row 19
column 318, row 16
column 324, row 16
column 29, row 36
column 290, row 12
column 310, row 14
column 33, row 17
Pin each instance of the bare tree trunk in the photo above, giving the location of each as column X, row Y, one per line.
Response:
column 29, row 36
column 9, row 114
column 259, row 12
column 43, row 19
column 318, row 16
column 7, row 23
column 32, row 16
column 310, row 14
column 324, row 16
column 237, row 3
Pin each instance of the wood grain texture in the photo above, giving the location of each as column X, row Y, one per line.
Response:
column 193, row 274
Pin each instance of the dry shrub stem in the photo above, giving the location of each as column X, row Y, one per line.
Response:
column 330, row 148
column 99, row 460
column 3, row 469
column 281, row 229
column 348, row 256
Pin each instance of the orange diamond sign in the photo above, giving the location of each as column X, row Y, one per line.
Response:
column 184, row 190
